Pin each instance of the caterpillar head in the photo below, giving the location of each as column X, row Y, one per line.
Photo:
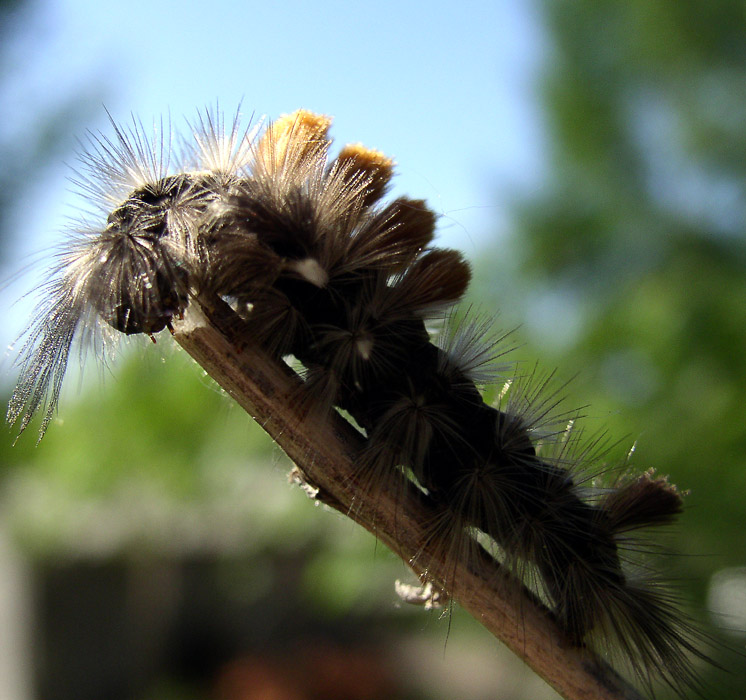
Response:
column 140, row 281
column 137, row 272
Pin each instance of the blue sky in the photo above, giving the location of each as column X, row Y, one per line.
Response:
column 447, row 89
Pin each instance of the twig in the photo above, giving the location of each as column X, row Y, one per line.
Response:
column 324, row 452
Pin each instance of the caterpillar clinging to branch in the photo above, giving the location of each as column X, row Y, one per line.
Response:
column 315, row 265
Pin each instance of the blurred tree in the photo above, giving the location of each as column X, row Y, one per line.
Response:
column 632, row 258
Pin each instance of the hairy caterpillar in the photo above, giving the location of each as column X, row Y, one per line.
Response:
column 315, row 265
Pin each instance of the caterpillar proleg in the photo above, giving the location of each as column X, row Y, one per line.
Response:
column 300, row 249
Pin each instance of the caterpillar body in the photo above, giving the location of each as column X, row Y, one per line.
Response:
column 316, row 266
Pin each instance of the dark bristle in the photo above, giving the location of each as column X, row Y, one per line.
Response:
column 391, row 238
column 355, row 161
column 239, row 263
column 642, row 502
column 435, row 280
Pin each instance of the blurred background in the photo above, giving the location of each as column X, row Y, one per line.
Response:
column 588, row 157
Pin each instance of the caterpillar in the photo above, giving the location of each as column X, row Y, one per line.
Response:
column 317, row 265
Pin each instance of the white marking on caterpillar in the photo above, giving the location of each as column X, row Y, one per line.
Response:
column 310, row 270
column 364, row 347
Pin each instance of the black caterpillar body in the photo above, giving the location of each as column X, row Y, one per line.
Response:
column 317, row 268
